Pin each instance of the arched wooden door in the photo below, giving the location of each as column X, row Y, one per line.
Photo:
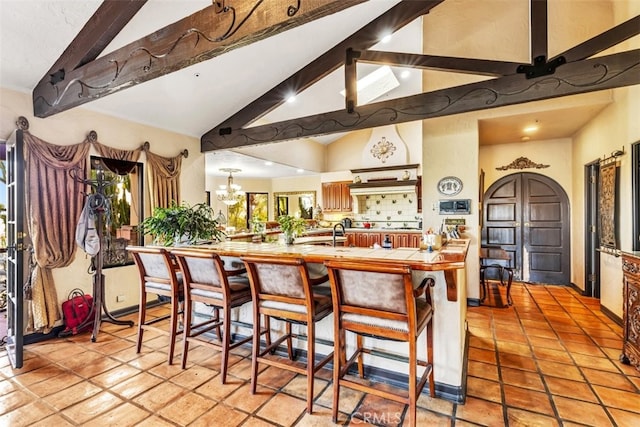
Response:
column 527, row 214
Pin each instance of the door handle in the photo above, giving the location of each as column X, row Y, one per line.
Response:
column 526, row 224
column 517, row 224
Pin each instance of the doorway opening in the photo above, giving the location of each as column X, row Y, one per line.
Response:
column 591, row 232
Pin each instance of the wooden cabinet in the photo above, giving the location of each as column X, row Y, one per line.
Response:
column 631, row 309
column 336, row 196
column 399, row 240
column 414, row 240
column 366, row 239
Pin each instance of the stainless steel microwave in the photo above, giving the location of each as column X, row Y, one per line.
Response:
column 457, row 206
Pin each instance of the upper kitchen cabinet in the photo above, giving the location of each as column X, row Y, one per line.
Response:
column 336, row 196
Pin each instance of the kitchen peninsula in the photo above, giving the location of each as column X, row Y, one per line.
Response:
column 446, row 266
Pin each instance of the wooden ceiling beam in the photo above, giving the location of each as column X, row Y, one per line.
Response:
column 103, row 26
column 395, row 18
column 607, row 72
column 203, row 35
column 441, row 63
column 538, row 30
column 603, row 41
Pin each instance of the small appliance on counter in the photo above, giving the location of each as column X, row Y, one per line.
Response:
column 346, row 222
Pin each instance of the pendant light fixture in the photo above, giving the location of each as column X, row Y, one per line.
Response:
column 230, row 194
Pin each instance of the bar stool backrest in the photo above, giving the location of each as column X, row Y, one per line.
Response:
column 380, row 291
column 280, row 279
column 202, row 269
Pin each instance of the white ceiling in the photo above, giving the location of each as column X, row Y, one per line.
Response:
column 196, row 99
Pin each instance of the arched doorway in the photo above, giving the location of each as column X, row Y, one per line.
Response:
column 527, row 214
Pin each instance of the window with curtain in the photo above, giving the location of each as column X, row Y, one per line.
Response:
column 125, row 194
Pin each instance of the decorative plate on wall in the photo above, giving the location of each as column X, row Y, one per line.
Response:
column 449, row 186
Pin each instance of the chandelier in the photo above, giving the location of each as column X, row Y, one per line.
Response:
column 229, row 194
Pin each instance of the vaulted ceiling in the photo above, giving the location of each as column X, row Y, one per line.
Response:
column 243, row 82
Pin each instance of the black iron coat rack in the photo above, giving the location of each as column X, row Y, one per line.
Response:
column 99, row 204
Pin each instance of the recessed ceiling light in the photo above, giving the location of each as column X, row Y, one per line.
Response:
column 525, row 139
column 268, row 163
column 530, row 129
column 386, row 38
column 405, row 74
column 300, row 170
column 291, row 98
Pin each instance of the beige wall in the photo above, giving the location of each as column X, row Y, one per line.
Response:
column 306, row 154
column 617, row 127
column 346, row 153
column 556, row 153
column 71, row 127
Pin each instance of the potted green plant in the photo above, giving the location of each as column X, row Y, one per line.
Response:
column 291, row 227
column 258, row 227
column 182, row 224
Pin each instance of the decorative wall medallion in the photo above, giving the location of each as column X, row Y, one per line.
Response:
column 449, row 186
column 383, row 149
column 522, row 163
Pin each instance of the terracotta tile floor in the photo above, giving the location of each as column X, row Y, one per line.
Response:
column 551, row 359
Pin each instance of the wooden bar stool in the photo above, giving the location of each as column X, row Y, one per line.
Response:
column 158, row 275
column 282, row 289
column 205, row 280
column 378, row 300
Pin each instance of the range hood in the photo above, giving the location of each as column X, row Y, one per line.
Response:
column 383, row 187
column 396, row 179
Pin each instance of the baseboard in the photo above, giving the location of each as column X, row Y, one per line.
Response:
column 135, row 308
column 443, row 391
column 473, row 302
column 39, row 337
column 576, row 288
column 611, row 315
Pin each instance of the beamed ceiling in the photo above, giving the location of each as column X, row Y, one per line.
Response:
column 81, row 75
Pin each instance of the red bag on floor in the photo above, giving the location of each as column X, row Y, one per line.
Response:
column 77, row 309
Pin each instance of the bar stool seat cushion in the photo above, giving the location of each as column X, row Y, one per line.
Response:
column 150, row 284
column 238, row 290
column 423, row 313
column 322, row 306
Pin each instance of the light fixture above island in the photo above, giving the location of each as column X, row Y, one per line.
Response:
column 230, row 194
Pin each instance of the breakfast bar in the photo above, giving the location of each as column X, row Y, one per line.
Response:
column 446, row 266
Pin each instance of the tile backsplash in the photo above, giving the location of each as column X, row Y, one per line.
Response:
column 388, row 210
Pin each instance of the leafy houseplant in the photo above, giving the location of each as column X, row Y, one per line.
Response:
column 291, row 227
column 182, row 224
